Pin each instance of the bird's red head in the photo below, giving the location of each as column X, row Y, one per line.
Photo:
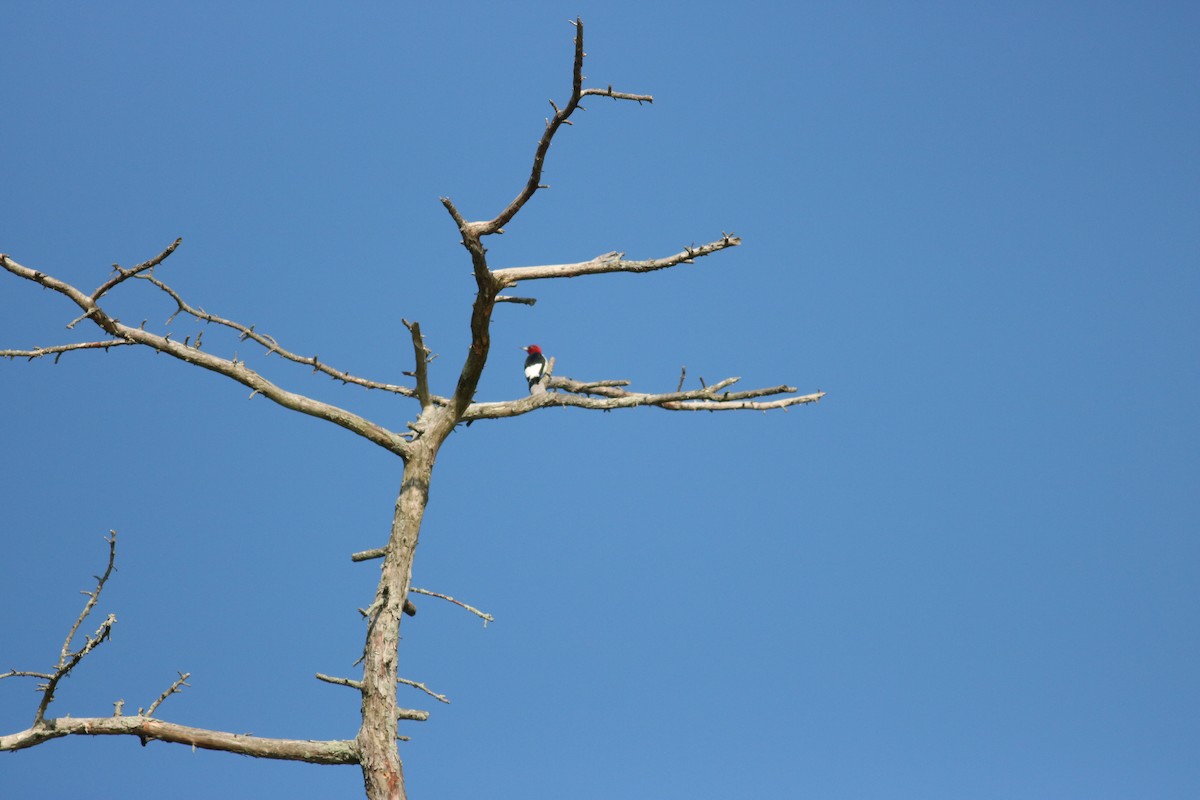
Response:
column 533, row 350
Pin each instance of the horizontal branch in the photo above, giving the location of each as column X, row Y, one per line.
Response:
column 20, row 673
column 58, row 350
column 608, row 395
column 611, row 262
column 608, row 92
column 350, row 682
column 144, row 726
column 147, row 728
column 412, row 714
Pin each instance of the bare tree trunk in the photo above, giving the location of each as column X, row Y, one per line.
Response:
column 383, row 774
column 374, row 747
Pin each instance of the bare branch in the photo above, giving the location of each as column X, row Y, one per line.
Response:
column 144, row 725
column 174, row 688
column 561, row 117
column 58, row 350
column 272, row 346
column 608, row 395
column 67, row 659
column 597, row 387
column 638, row 98
column 147, row 729
column 125, row 274
column 484, row 616
column 233, row 369
column 353, row 684
column 770, row 405
column 367, row 555
column 421, row 356
column 374, row 747
column 611, row 262
column 440, row 697
column 458, row 218
column 71, row 325
column 17, row 673
column 412, row 715
column 93, row 597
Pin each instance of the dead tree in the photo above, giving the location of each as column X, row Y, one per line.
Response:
column 374, row 748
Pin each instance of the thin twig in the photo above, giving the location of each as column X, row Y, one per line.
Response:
column 440, row 697
column 561, row 117
column 93, row 597
column 125, row 274
column 272, row 346
column 172, row 689
column 483, row 615
column 67, row 658
column 58, row 350
column 230, row 368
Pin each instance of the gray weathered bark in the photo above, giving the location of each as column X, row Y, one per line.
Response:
column 374, row 747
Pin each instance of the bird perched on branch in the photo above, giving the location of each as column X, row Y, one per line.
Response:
column 535, row 368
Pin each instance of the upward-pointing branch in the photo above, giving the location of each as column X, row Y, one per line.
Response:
column 125, row 274
column 421, row 355
column 561, row 116
column 473, row 232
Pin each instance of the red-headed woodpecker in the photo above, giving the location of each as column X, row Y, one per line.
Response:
column 535, row 368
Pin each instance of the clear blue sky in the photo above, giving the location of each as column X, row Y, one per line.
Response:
column 970, row 572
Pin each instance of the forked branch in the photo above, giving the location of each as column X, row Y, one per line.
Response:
column 561, row 116
column 126, row 274
column 272, row 346
column 374, row 748
column 68, row 659
column 144, row 725
column 231, row 368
